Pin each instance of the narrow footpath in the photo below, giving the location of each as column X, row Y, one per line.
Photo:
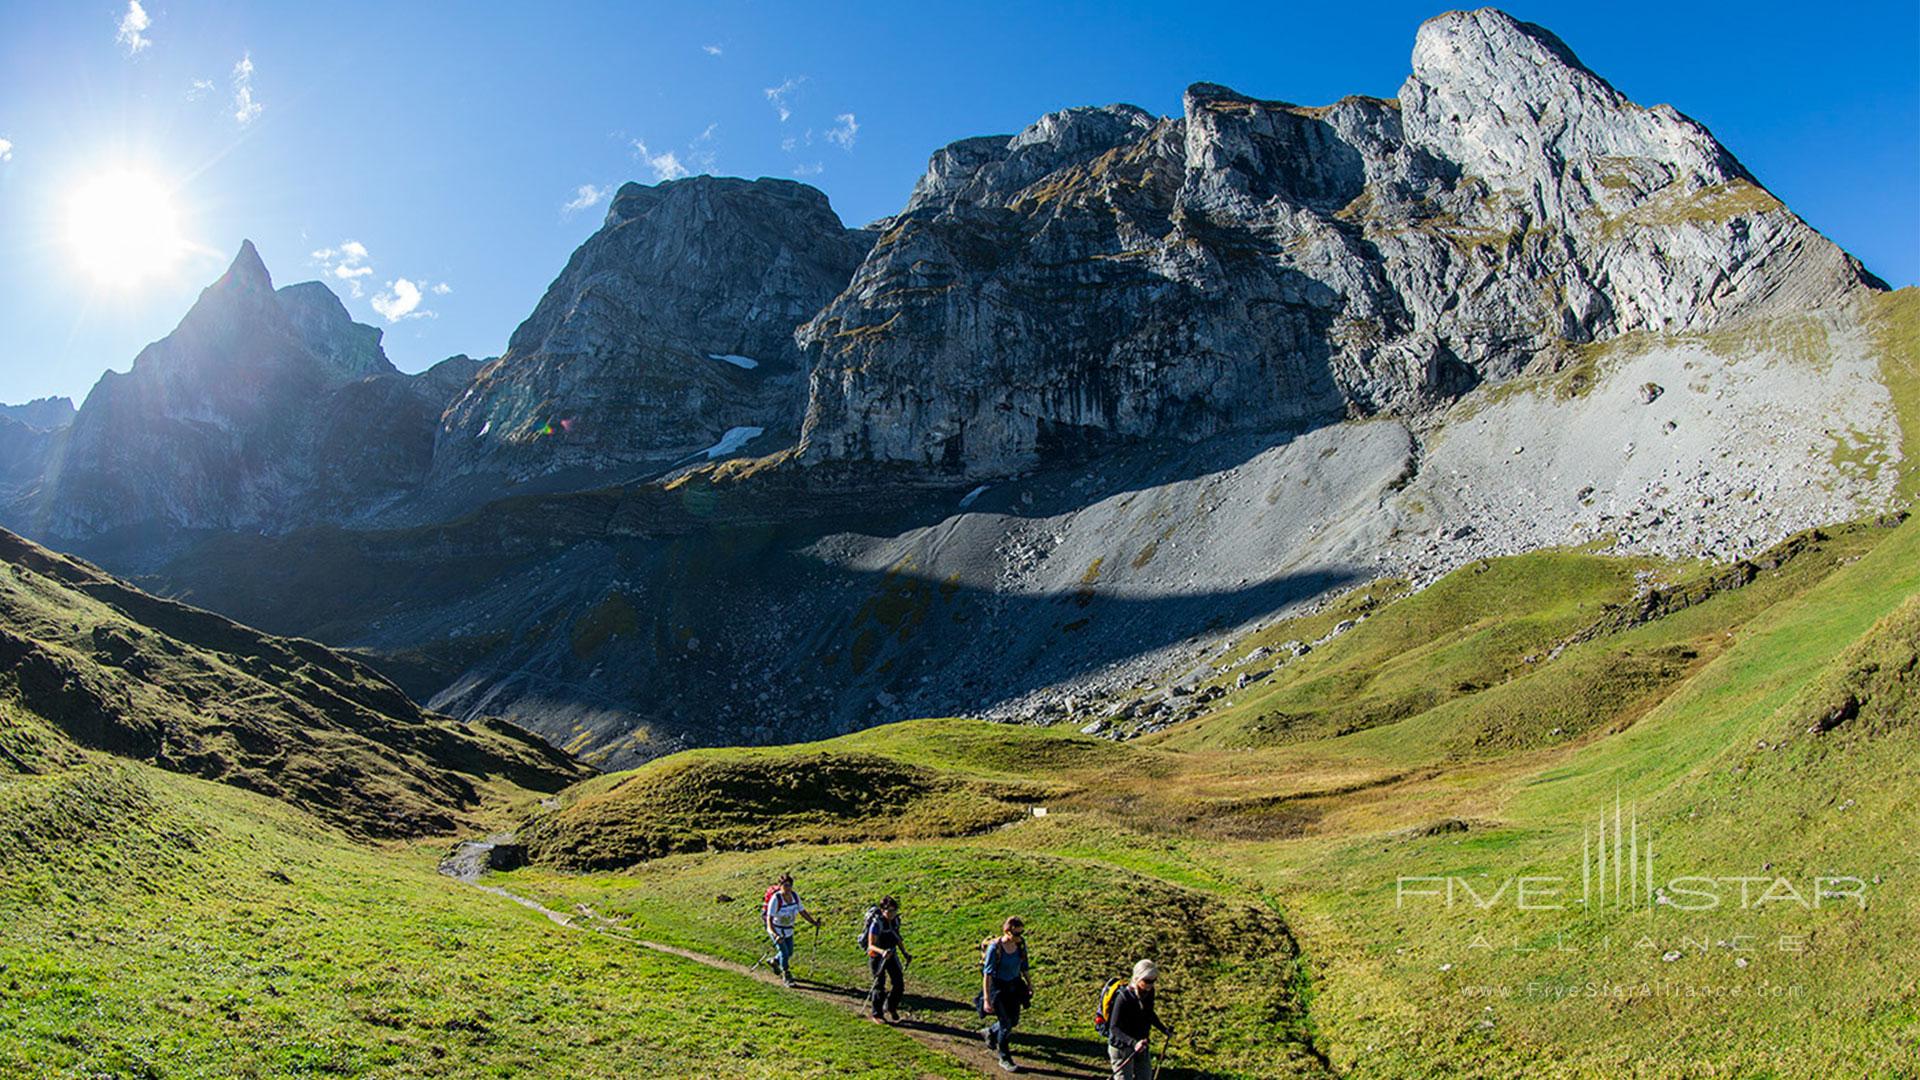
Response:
column 469, row 862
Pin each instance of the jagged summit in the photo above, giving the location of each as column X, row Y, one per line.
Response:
column 247, row 270
column 1254, row 264
column 263, row 408
column 670, row 326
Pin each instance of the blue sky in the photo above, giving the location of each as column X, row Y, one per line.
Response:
column 446, row 140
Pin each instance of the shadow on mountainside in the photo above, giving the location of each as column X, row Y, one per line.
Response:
column 742, row 611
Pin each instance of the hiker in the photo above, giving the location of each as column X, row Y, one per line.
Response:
column 783, row 906
column 1130, row 1022
column 1004, row 987
column 887, row 956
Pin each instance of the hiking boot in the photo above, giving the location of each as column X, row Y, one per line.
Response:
column 1006, row 1062
column 787, row 980
column 893, row 1016
column 987, row 1034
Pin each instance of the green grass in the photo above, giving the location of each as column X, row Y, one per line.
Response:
column 150, row 679
column 1475, row 628
column 1229, row 964
column 725, row 800
column 161, row 926
column 1500, row 712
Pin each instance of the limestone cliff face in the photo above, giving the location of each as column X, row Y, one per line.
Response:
column 1260, row 265
column 671, row 325
column 264, row 409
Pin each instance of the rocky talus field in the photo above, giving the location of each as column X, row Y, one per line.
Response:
column 1434, row 571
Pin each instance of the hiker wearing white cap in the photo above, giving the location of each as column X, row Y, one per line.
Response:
column 1131, row 1022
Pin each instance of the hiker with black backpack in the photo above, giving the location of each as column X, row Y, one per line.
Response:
column 783, row 906
column 1126, row 1017
column 1005, row 988
column 887, row 957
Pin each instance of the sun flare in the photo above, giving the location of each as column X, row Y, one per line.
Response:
column 122, row 228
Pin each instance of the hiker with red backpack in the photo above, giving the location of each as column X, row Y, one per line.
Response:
column 1005, row 988
column 1126, row 1017
column 783, row 906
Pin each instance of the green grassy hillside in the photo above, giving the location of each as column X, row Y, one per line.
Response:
column 1748, row 720
column 163, row 926
column 125, row 672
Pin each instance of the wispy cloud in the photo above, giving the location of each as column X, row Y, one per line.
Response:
column 133, row 28
column 400, row 300
column 199, row 88
column 586, row 198
column 665, row 165
column 711, row 50
column 844, row 131
column 812, row 168
column 346, row 264
column 245, row 109
column 702, row 154
column 780, row 97
column 6, row 150
column 441, row 289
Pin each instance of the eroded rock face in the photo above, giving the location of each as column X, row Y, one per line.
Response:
column 264, row 409
column 1259, row 265
column 671, row 325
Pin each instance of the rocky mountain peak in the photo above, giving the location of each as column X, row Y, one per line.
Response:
column 1257, row 264
column 670, row 326
column 991, row 170
column 41, row 414
column 1514, row 107
column 247, row 272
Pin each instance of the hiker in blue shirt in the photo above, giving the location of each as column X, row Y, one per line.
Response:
column 1004, row 987
column 783, row 907
column 887, row 956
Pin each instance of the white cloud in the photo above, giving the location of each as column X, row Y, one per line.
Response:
column 789, row 143
column 810, row 169
column 199, row 88
column 400, row 300
column 245, row 109
column 710, row 50
column 346, row 264
column 133, row 28
column 844, row 131
column 778, row 97
column 665, row 165
column 6, row 149
column 586, row 198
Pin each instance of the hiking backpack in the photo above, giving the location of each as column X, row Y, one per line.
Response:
column 1103, row 1013
column 866, row 924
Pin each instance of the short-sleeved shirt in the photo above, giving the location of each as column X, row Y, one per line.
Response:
column 1003, row 965
column 781, row 911
column 882, row 932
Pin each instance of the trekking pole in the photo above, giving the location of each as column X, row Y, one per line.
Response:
column 1161, row 1061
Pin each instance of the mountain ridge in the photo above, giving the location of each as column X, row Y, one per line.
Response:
column 1105, row 387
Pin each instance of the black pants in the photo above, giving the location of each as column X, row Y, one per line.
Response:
column 880, row 999
column 1008, row 997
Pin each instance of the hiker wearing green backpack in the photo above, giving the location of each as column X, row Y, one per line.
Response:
column 887, row 957
column 1004, row 987
column 1127, row 1018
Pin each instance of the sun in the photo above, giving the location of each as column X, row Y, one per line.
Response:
column 122, row 228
